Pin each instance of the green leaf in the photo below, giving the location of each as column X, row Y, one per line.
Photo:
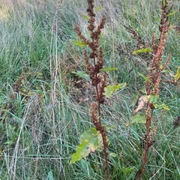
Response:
column 177, row 75
column 10, row 142
column 153, row 98
column 82, row 74
column 86, row 17
column 143, row 50
column 113, row 155
column 127, row 171
column 138, row 119
column 172, row 13
column 144, row 77
column 99, row 8
column 79, row 43
column 165, row 107
column 162, row 106
column 109, row 90
column 108, row 69
column 168, row 71
column 90, row 141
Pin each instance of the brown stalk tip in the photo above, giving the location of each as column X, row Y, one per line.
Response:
column 90, row 8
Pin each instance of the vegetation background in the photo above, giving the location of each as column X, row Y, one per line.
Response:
column 44, row 106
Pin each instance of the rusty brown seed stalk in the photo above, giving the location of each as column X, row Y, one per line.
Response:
column 152, row 86
column 94, row 63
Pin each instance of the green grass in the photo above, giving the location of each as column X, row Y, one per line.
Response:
column 41, row 122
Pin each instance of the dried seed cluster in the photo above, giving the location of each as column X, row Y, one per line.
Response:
column 94, row 63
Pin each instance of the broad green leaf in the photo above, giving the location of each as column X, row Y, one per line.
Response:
column 109, row 90
column 90, row 141
column 162, row 106
column 143, row 50
column 99, row 8
column 82, row 74
column 108, row 69
column 138, row 119
column 177, row 75
column 79, row 43
column 153, row 99
column 144, row 77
